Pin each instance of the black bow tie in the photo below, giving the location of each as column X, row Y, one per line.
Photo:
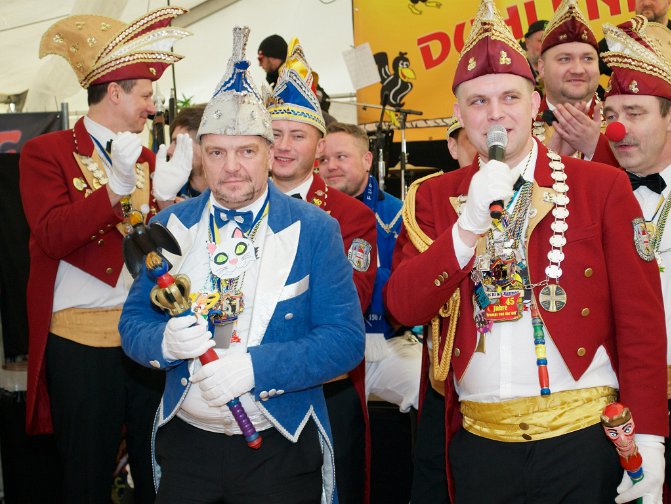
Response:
column 654, row 182
column 108, row 147
column 297, row 196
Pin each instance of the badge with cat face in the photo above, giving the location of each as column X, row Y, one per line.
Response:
column 232, row 257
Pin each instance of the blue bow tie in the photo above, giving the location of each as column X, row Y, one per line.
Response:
column 244, row 220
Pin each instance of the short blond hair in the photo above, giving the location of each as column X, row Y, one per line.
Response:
column 352, row 130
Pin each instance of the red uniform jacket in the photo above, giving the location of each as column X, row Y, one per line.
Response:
column 602, row 153
column 64, row 225
column 357, row 222
column 602, row 271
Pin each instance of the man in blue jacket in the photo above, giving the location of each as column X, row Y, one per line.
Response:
column 289, row 321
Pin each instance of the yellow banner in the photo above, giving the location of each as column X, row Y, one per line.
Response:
column 416, row 44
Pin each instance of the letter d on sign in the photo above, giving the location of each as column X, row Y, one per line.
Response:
column 443, row 41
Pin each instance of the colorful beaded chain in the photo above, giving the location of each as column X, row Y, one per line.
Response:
column 541, row 351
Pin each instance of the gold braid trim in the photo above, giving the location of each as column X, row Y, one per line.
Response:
column 421, row 241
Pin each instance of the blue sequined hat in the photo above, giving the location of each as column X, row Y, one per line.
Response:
column 237, row 108
column 295, row 94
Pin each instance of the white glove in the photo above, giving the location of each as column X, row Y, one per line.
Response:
column 170, row 176
column 126, row 149
column 225, row 379
column 376, row 347
column 650, row 487
column 494, row 181
column 183, row 338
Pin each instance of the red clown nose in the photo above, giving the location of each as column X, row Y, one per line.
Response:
column 615, row 131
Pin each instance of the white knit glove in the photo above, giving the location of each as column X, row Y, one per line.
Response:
column 493, row 181
column 650, row 487
column 225, row 379
column 183, row 338
column 376, row 347
column 170, row 176
column 126, row 149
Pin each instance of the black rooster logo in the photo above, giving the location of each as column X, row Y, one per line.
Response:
column 397, row 82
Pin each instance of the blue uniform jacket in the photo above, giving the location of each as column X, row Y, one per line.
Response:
column 387, row 209
column 306, row 328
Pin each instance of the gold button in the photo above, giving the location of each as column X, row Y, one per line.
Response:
column 527, row 437
column 588, row 272
column 445, row 275
column 581, row 352
column 437, row 282
column 101, row 242
column 524, row 426
column 101, row 231
column 93, row 237
column 109, row 271
column 584, row 312
column 457, row 352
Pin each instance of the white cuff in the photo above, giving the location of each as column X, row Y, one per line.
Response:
column 463, row 252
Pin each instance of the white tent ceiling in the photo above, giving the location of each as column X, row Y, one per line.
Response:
column 324, row 28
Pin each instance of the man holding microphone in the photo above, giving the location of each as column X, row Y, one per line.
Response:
column 531, row 333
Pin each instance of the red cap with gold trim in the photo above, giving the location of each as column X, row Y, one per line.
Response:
column 637, row 60
column 490, row 49
column 568, row 25
column 101, row 49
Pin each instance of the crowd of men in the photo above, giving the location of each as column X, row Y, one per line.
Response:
column 280, row 280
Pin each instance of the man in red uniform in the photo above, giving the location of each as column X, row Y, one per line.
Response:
column 537, row 320
column 569, row 118
column 639, row 97
column 80, row 383
column 298, row 128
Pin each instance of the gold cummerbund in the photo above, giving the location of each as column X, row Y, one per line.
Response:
column 96, row 327
column 538, row 417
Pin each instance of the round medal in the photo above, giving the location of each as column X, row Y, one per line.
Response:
column 552, row 298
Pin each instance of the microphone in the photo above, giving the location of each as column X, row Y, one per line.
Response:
column 379, row 140
column 615, row 131
column 497, row 140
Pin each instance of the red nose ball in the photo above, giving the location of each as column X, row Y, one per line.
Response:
column 615, row 131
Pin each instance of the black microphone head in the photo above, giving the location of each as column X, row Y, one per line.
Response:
column 497, row 136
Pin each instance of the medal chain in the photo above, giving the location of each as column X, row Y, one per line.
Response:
column 559, row 226
column 661, row 224
column 512, row 226
column 555, row 256
column 230, row 285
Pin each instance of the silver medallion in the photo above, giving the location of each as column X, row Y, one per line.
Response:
column 552, row 298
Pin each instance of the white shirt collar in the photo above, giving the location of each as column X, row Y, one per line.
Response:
column 303, row 188
column 97, row 130
column 666, row 175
